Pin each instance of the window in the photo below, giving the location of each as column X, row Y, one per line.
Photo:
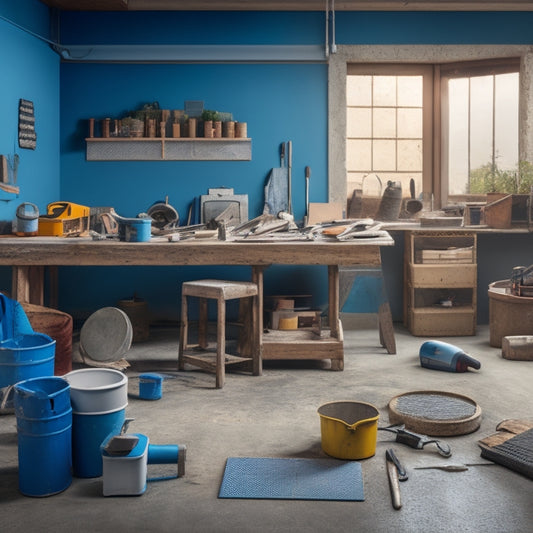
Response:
column 477, row 118
column 480, row 127
column 388, row 126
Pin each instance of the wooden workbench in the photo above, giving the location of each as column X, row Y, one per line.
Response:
column 28, row 256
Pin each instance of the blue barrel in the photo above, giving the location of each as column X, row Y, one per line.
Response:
column 88, row 433
column 44, row 428
column 27, row 356
column 150, row 386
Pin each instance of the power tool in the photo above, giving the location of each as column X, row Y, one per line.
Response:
column 439, row 355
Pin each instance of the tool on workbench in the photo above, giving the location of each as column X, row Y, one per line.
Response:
column 164, row 216
column 395, row 473
column 64, row 219
column 276, row 188
column 414, row 440
column 289, row 176
column 439, row 355
column 412, row 205
column 307, row 178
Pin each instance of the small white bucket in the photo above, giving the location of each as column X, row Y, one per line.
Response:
column 97, row 390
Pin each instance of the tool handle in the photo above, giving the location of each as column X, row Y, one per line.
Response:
column 411, row 439
column 394, row 483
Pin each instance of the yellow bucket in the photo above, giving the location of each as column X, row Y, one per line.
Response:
column 349, row 429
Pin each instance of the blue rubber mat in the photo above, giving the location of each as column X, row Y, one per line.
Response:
column 292, row 479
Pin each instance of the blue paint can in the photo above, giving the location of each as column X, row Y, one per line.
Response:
column 44, row 429
column 150, row 386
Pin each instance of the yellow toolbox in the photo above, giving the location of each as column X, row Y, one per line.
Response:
column 64, row 219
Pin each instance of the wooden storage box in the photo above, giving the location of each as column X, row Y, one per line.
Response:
column 440, row 283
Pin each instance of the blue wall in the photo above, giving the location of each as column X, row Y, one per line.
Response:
column 278, row 101
column 30, row 70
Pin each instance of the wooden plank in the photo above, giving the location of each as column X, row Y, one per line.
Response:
column 83, row 251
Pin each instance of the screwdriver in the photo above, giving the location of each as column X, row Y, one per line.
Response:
column 452, row 468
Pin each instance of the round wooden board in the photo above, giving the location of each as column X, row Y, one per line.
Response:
column 435, row 413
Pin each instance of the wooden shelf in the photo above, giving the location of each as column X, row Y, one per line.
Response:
column 426, row 283
column 168, row 149
column 303, row 344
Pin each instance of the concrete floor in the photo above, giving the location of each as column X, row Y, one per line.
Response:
column 275, row 415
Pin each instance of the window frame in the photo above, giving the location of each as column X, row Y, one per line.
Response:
column 404, row 69
column 464, row 70
column 418, row 54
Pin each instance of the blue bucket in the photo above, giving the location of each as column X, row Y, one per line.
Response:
column 44, row 427
column 150, row 386
column 88, row 433
column 134, row 229
column 25, row 357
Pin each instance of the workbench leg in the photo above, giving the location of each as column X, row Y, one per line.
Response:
column 333, row 296
column 333, row 312
column 386, row 328
column 221, row 342
column 184, row 332
column 27, row 284
column 257, row 278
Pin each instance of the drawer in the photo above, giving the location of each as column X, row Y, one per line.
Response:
column 442, row 275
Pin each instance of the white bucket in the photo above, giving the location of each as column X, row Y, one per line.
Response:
column 97, row 390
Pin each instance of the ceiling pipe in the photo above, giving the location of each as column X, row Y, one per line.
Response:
column 191, row 53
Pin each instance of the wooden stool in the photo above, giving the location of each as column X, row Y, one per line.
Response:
column 221, row 291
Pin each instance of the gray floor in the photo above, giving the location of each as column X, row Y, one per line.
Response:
column 275, row 415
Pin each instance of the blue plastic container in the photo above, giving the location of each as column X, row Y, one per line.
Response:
column 150, row 386
column 88, row 433
column 44, row 427
column 27, row 219
column 25, row 357
column 134, row 229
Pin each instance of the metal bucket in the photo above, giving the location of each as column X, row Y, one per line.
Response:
column 44, row 427
column 349, row 429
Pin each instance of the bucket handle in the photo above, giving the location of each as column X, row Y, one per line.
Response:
column 365, row 422
column 7, row 392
